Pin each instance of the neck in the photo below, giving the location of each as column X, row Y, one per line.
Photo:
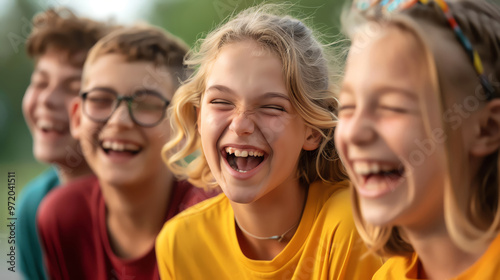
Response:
column 440, row 257
column 272, row 215
column 136, row 214
column 67, row 174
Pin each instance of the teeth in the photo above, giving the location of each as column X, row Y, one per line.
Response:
column 119, row 146
column 365, row 168
column 244, row 153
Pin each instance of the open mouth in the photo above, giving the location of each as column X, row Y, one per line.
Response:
column 47, row 126
column 243, row 160
column 381, row 173
column 120, row 147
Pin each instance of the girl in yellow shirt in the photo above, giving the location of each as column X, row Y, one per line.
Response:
column 419, row 134
column 259, row 107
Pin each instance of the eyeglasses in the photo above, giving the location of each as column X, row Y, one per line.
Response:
column 146, row 107
column 398, row 5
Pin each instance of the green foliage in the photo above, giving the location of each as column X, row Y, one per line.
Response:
column 193, row 19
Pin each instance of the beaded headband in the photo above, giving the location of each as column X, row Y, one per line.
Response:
column 391, row 6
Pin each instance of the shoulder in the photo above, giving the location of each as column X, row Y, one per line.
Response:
column 398, row 267
column 194, row 220
column 64, row 205
column 488, row 266
column 36, row 189
column 335, row 202
column 192, row 195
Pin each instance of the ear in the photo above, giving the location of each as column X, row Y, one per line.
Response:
column 75, row 117
column 488, row 140
column 313, row 138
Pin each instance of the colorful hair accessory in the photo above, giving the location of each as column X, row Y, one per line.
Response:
column 391, row 6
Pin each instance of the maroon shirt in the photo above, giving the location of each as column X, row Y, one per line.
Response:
column 72, row 227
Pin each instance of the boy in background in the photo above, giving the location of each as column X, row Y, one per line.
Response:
column 105, row 228
column 58, row 43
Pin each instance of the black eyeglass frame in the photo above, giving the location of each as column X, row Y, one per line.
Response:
column 129, row 100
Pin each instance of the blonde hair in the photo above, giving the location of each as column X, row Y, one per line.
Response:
column 472, row 215
column 306, row 74
column 143, row 42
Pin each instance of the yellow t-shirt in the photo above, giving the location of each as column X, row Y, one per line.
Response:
column 201, row 243
column 486, row 268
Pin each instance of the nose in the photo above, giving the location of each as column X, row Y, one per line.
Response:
column 121, row 116
column 51, row 97
column 242, row 123
column 359, row 129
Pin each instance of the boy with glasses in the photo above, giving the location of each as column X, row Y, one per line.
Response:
column 105, row 228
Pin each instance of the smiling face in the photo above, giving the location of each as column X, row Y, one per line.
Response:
column 46, row 104
column 120, row 151
column 250, row 133
column 394, row 162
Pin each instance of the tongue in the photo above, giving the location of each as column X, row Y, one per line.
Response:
column 247, row 163
column 388, row 178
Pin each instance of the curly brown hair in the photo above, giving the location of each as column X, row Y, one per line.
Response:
column 61, row 29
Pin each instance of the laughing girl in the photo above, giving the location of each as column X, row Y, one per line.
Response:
column 260, row 109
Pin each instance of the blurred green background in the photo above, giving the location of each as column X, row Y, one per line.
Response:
column 188, row 19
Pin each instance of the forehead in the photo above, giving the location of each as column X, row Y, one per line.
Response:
column 392, row 57
column 53, row 63
column 247, row 65
column 456, row 72
column 114, row 71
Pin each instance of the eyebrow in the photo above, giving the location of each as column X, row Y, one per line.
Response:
column 112, row 90
column 381, row 90
column 270, row 94
column 68, row 78
column 384, row 90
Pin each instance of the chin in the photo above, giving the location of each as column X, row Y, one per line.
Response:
column 240, row 196
column 48, row 156
column 378, row 218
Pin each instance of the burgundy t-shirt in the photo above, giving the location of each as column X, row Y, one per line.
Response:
column 72, row 227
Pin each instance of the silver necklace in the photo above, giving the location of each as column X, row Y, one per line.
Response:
column 274, row 237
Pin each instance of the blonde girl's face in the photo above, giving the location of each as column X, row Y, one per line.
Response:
column 250, row 132
column 395, row 164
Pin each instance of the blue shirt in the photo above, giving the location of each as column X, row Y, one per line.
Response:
column 29, row 251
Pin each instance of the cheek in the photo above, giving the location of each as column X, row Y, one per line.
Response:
column 159, row 135
column 339, row 136
column 68, row 101
column 275, row 129
column 29, row 100
column 212, row 124
column 89, row 136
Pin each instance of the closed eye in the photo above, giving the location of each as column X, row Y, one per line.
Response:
column 274, row 107
column 394, row 109
column 345, row 110
column 346, row 107
column 220, row 101
column 221, row 104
